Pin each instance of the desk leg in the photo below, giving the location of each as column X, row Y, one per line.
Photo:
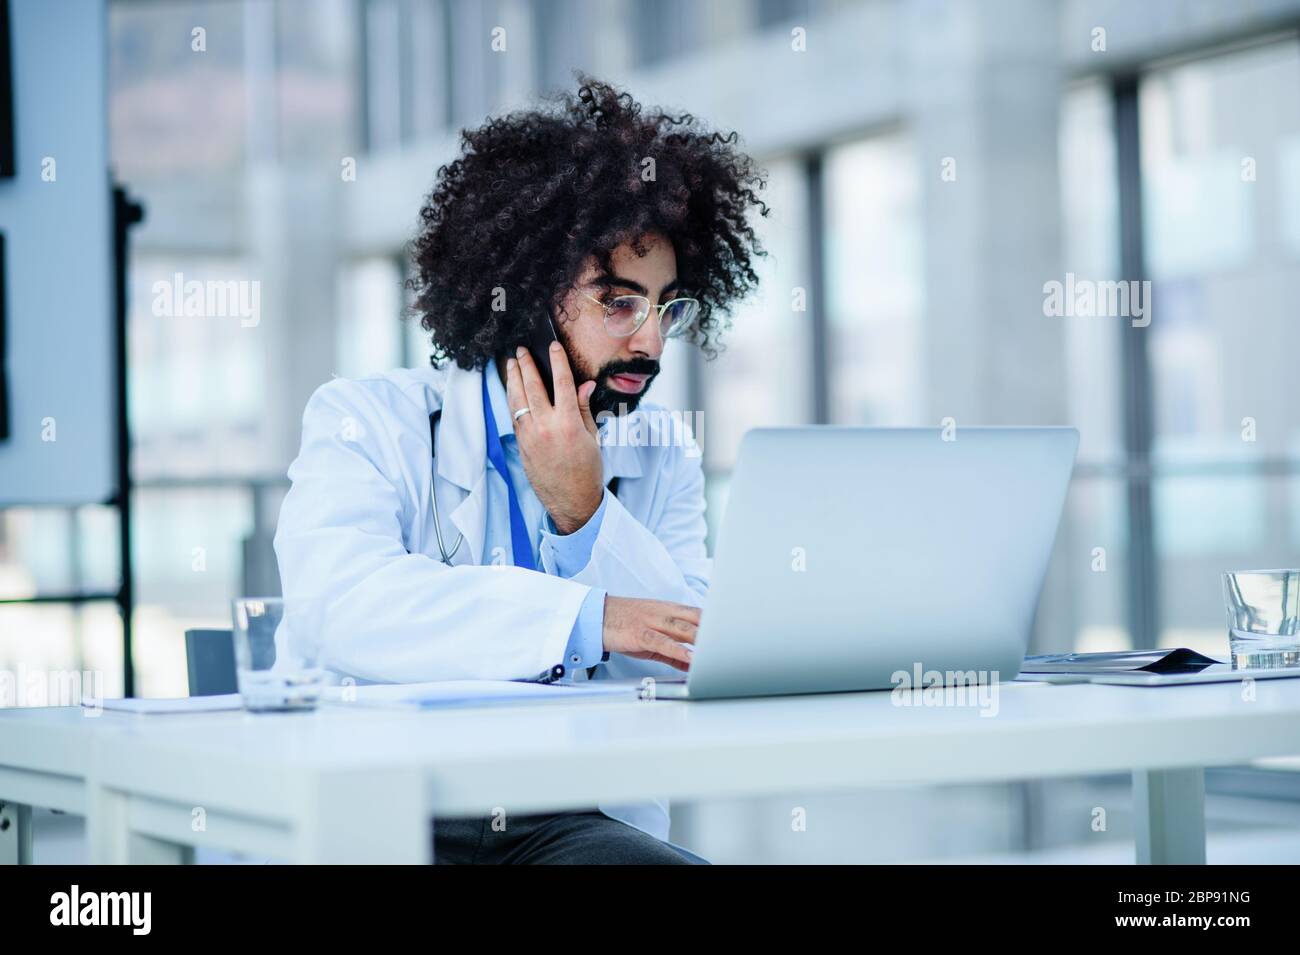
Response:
column 15, row 834
column 111, row 841
column 364, row 816
column 1169, row 816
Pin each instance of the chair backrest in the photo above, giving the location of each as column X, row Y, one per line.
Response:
column 210, row 660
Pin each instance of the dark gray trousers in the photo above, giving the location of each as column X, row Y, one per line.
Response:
column 586, row 837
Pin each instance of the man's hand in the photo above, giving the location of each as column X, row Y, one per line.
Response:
column 651, row 630
column 559, row 444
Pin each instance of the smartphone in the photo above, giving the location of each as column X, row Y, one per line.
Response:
column 539, row 344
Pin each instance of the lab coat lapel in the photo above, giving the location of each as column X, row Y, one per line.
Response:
column 462, row 458
column 619, row 456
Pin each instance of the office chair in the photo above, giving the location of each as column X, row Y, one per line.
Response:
column 210, row 660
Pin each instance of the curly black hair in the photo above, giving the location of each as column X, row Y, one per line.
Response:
column 538, row 192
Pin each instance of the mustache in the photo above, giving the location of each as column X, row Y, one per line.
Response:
column 634, row 366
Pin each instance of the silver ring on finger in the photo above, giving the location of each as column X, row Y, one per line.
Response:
column 521, row 412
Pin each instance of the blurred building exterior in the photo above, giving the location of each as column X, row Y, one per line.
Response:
column 933, row 163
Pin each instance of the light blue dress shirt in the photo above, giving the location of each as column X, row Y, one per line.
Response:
column 569, row 552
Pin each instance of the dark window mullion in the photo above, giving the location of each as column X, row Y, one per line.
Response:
column 1143, row 563
column 818, row 316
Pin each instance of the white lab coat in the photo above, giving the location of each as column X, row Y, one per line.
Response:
column 356, row 533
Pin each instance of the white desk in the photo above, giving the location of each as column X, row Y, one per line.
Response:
column 348, row 783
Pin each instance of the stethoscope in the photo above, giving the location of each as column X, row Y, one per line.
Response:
column 446, row 557
column 433, row 491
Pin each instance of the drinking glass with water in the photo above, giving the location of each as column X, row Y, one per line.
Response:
column 1263, row 618
column 277, row 653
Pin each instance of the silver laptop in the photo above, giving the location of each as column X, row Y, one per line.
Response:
column 847, row 555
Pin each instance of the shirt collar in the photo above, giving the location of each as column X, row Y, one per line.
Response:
column 500, row 403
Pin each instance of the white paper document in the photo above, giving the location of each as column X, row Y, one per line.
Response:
column 477, row 692
column 183, row 704
column 405, row 695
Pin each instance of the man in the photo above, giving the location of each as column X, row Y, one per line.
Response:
column 522, row 535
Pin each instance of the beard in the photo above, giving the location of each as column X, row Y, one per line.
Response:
column 607, row 399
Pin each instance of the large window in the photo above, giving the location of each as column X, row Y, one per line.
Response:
column 1092, row 547
column 46, row 551
column 1219, row 173
column 875, row 282
column 221, row 114
column 371, row 338
column 763, row 374
column 235, row 152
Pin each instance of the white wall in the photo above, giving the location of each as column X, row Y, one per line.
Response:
column 59, row 270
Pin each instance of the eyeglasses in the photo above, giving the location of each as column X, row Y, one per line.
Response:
column 624, row 314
